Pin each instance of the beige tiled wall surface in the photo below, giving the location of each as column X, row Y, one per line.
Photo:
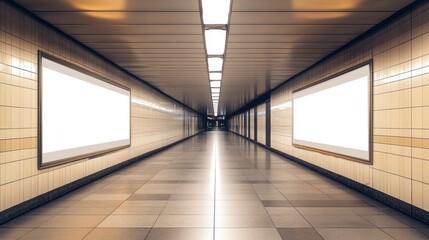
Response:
column 400, row 53
column 261, row 123
column 155, row 120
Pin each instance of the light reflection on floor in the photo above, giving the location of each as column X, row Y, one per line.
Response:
column 250, row 192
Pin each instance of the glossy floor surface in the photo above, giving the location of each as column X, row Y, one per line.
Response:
column 214, row 186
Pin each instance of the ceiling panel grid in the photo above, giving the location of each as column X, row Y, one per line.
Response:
column 162, row 41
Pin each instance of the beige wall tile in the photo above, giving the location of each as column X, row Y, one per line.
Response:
column 425, row 174
column 417, row 194
column 425, row 197
column 417, row 169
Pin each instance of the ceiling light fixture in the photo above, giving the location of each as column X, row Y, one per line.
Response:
column 216, row 12
column 215, row 90
column 216, row 76
column 215, row 64
column 215, row 41
column 215, row 84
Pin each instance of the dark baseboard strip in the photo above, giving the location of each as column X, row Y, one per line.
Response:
column 45, row 198
column 406, row 208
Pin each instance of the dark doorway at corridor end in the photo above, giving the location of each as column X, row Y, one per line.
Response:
column 217, row 123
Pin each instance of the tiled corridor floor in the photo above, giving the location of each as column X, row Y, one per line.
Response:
column 216, row 185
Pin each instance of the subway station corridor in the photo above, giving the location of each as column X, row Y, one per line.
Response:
column 214, row 119
column 216, row 185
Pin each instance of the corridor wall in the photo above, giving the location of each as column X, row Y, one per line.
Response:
column 399, row 50
column 156, row 120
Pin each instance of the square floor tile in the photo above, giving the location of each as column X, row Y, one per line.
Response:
column 74, row 221
column 118, row 233
column 271, row 196
column 115, row 191
column 243, row 221
column 180, row 234
column 282, row 210
column 325, row 211
column 299, row 234
column 336, row 221
column 185, row 221
column 247, row 234
column 97, row 203
column 353, row 234
column 145, row 203
column 191, row 203
column 202, row 196
column 188, row 210
column 135, row 210
column 140, row 197
column 240, row 210
column 57, row 233
column 289, row 221
column 129, row 221
column 276, row 203
column 87, row 211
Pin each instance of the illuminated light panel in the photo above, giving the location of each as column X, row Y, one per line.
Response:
column 215, row 76
column 215, row 64
column 216, row 12
column 214, row 84
column 215, row 90
column 215, row 41
column 342, row 127
column 73, row 127
column 215, row 94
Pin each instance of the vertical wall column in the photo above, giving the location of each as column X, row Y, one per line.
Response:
column 268, row 124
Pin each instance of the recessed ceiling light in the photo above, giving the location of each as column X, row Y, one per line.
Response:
column 216, row 11
column 215, row 84
column 215, row 76
column 215, row 41
column 215, row 94
column 215, row 64
column 215, row 90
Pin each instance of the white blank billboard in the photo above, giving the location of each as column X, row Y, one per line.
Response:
column 334, row 115
column 80, row 115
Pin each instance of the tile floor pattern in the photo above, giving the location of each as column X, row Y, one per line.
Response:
column 215, row 186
